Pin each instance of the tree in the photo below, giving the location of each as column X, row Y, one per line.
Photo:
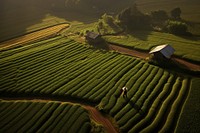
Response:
column 124, row 16
column 159, row 15
column 132, row 18
column 177, row 27
column 176, row 13
column 108, row 19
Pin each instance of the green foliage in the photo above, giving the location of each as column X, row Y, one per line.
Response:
column 189, row 120
column 159, row 15
column 44, row 117
column 186, row 48
column 108, row 25
column 61, row 67
column 177, row 27
column 97, row 128
column 176, row 13
column 131, row 18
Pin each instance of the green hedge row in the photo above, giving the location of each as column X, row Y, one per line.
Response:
column 62, row 67
column 28, row 46
column 44, row 117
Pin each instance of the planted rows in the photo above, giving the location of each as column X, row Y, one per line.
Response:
column 60, row 67
column 184, row 48
column 154, row 100
column 43, row 117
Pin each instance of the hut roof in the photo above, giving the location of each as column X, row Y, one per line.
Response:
column 92, row 35
column 166, row 50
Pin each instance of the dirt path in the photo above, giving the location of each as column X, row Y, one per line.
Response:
column 128, row 51
column 31, row 37
column 144, row 55
column 99, row 118
column 94, row 113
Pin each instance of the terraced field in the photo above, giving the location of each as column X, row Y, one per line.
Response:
column 34, row 36
column 59, row 67
column 43, row 117
column 185, row 48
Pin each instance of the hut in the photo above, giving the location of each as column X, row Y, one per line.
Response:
column 162, row 51
column 93, row 37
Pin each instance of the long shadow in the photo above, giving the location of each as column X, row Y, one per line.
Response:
column 135, row 106
column 141, row 34
column 17, row 16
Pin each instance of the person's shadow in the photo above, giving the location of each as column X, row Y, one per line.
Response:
column 135, row 106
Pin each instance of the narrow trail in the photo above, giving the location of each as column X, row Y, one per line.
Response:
column 31, row 37
column 94, row 113
column 99, row 118
column 144, row 55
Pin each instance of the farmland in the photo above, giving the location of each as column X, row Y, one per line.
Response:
column 190, row 10
column 186, row 48
column 60, row 67
column 43, row 116
column 35, row 36
column 51, row 80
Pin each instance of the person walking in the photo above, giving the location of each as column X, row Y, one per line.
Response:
column 124, row 91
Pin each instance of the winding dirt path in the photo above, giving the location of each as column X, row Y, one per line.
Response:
column 144, row 55
column 31, row 37
column 99, row 118
column 94, row 113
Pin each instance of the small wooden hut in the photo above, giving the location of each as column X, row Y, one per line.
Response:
column 93, row 37
column 162, row 52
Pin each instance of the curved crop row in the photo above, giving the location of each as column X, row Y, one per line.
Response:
column 64, row 68
column 44, row 116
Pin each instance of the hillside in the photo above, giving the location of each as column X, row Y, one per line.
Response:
column 190, row 9
column 56, row 80
column 21, row 16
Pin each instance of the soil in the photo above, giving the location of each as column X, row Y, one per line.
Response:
column 101, row 119
column 144, row 55
column 54, row 30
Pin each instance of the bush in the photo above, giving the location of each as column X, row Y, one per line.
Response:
column 131, row 18
column 159, row 15
column 177, row 27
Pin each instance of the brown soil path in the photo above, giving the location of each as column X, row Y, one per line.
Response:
column 99, row 118
column 144, row 55
column 94, row 113
column 31, row 37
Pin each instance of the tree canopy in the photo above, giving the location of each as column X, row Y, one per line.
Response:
column 176, row 13
column 132, row 18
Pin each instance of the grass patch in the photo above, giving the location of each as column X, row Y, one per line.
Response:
column 189, row 120
column 186, row 48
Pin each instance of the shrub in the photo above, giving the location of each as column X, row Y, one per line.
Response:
column 177, row 27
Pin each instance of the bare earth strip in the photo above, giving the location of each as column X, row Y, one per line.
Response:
column 99, row 118
column 144, row 55
column 41, row 34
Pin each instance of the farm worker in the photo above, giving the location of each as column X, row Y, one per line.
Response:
column 124, row 91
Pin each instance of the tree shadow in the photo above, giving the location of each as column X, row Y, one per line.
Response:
column 140, row 34
column 189, row 36
column 19, row 17
column 103, row 45
column 16, row 16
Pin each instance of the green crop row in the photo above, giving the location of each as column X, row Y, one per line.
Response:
column 43, row 117
column 109, row 74
column 30, row 73
column 7, row 53
column 143, row 40
column 65, row 68
column 137, row 112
